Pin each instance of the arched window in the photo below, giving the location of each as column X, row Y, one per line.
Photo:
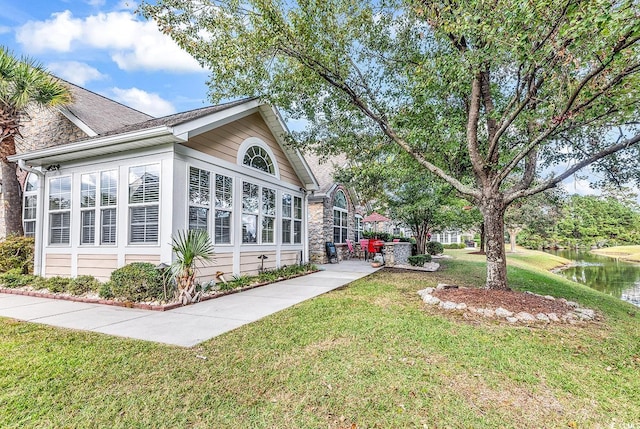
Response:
column 258, row 158
column 30, row 205
column 340, row 224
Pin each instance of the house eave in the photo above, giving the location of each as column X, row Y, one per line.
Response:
column 97, row 146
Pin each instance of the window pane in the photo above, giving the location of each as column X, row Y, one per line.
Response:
column 60, row 193
column 198, row 218
column 30, row 205
column 267, row 229
column 108, row 188
column 108, row 223
column 144, row 184
column 249, row 198
column 286, row 230
column 223, row 227
column 88, row 227
column 88, row 190
column 249, row 228
column 198, row 186
column 59, row 228
column 224, row 192
column 268, row 202
column 30, row 228
column 259, row 159
column 297, row 232
column 32, row 183
column 297, row 207
column 144, row 224
column 340, row 200
column 286, row 205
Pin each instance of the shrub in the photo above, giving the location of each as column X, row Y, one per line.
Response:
column 138, row 281
column 14, row 278
column 16, row 252
column 104, row 291
column 57, row 284
column 83, row 284
column 434, row 248
column 419, row 260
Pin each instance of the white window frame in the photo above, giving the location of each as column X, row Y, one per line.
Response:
column 340, row 214
column 60, row 211
column 261, row 214
column 358, row 228
column 255, row 141
column 146, row 204
column 286, row 203
column 297, row 220
column 222, row 206
column 32, row 184
column 204, row 203
column 88, row 209
column 109, row 205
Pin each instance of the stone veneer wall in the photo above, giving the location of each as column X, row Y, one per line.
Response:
column 40, row 128
column 321, row 226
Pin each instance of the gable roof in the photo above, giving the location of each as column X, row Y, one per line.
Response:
column 175, row 128
column 95, row 114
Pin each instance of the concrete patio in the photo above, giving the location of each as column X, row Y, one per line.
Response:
column 184, row 326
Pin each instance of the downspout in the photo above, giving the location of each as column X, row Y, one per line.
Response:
column 37, row 260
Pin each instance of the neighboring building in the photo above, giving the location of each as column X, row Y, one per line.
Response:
column 119, row 196
column 88, row 115
column 334, row 211
column 452, row 236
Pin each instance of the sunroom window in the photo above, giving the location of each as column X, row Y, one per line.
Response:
column 199, row 198
column 257, row 157
column 59, row 210
column 224, row 209
column 108, row 202
column 30, row 206
column 144, row 196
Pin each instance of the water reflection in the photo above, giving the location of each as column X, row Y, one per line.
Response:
column 614, row 277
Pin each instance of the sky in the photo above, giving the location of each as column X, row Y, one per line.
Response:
column 102, row 45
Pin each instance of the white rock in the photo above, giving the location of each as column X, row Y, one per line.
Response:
column 502, row 312
column 549, row 297
column 543, row 317
column 425, row 292
column 573, row 304
column 512, row 319
column 585, row 313
column 430, row 299
column 431, row 266
column 553, row 317
column 441, row 286
column 525, row 317
column 489, row 313
column 448, row 305
column 429, row 290
column 461, row 306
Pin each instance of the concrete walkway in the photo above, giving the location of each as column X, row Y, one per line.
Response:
column 189, row 325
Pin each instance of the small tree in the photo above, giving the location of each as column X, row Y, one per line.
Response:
column 189, row 247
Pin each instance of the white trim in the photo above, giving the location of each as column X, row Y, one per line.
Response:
column 214, row 120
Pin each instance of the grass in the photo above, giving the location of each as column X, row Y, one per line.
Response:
column 626, row 253
column 370, row 354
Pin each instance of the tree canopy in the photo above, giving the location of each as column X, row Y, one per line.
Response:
column 484, row 95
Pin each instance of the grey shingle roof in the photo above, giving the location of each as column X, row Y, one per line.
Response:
column 100, row 113
column 175, row 119
column 324, row 169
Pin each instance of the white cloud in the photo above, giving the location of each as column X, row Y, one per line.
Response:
column 147, row 102
column 75, row 72
column 96, row 3
column 4, row 29
column 132, row 44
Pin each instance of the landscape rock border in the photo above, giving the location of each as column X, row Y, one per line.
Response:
column 578, row 314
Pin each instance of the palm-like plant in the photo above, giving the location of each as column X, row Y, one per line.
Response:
column 189, row 247
column 23, row 83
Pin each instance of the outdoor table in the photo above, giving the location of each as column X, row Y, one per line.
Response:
column 375, row 246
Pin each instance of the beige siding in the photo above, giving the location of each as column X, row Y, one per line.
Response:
column 153, row 259
column 250, row 264
column 289, row 258
column 58, row 265
column 99, row 266
column 221, row 262
column 224, row 142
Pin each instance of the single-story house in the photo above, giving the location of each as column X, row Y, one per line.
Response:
column 118, row 197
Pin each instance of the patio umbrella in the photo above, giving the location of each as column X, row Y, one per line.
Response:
column 375, row 218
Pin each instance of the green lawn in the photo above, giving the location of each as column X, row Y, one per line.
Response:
column 370, row 354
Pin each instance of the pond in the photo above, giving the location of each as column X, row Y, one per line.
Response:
column 608, row 275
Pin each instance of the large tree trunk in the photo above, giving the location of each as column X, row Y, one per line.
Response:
column 493, row 212
column 513, row 233
column 11, row 197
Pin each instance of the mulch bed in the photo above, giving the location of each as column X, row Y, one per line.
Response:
column 511, row 300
